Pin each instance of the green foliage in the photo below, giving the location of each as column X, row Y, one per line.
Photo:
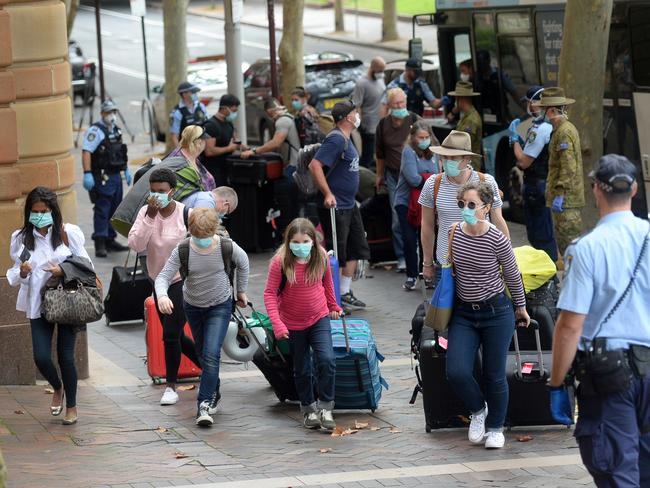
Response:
column 404, row 7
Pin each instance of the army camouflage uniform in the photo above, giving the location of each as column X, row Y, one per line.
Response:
column 472, row 124
column 565, row 178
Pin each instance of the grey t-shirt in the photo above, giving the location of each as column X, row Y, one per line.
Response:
column 291, row 145
column 367, row 96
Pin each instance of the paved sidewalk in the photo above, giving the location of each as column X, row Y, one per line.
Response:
column 362, row 29
column 124, row 438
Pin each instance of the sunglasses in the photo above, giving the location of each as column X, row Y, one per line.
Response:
column 470, row 205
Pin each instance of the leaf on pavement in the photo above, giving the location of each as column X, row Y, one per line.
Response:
column 49, row 391
column 525, row 438
column 360, row 425
column 180, row 455
column 19, row 412
column 325, row 450
column 161, row 430
column 343, row 431
column 394, row 430
column 374, row 427
column 186, row 387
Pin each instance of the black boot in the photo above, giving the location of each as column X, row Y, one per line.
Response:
column 113, row 245
column 100, row 247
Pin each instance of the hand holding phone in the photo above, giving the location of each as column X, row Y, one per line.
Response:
column 25, row 255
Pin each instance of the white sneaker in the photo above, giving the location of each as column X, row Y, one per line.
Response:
column 495, row 440
column 476, row 432
column 169, row 397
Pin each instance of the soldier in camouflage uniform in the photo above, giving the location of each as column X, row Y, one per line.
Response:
column 470, row 120
column 565, row 193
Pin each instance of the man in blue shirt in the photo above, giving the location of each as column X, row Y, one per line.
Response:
column 605, row 297
column 532, row 158
column 339, row 187
column 416, row 89
column 104, row 157
column 189, row 111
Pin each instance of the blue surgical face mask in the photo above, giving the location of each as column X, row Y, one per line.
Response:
column 40, row 220
column 469, row 215
column 232, row 116
column 301, row 249
column 399, row 113
column 296, row 104
column 425, row 144
column 202, row 242
column 163, row 198
column 451, row 167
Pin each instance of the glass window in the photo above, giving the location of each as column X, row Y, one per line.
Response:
column 487, row 66
column 461, row 48
column 518, row 71
column 640, row 41
column 513, row 23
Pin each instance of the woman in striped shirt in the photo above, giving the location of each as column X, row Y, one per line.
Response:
column 483, row 314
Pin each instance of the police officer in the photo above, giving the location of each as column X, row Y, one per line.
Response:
column 470, row 120
column 606, row 316
column 189, row 111
column 532, row 158
column 104, row 158
column 416, row 89
column 565, row 193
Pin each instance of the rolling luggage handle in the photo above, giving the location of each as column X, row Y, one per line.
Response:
column 540, row 357
column 242, row 319
column 135, row 266
column 335, row 241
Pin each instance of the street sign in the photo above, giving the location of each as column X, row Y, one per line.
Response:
column 138, row 8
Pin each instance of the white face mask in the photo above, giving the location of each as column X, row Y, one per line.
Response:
column 464, row 77
column 379, row 75
column 357, row 120
column 110, row 119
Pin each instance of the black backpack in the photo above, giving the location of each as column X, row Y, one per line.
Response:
column 308, row 130
column 226, row 254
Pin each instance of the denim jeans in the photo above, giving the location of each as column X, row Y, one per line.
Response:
column 108, row 196
column 391, row 178
column 66, row 337
column 209, row 326
column 410, row 237
column 490, row 327
column 318, row 338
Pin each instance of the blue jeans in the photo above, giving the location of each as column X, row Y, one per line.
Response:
column 66, row 337
column 391, row 178
column 318, row 338
column 209, row 326
column 539, row 224
column 107, row 198
column 490, row 327
column 610, row 432
column 410, row 237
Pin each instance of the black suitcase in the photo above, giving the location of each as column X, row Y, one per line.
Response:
column 130, row 286
column 256, row 170
column 278, row 371
column 527, row 373
column 376, row 215
column 253, row 224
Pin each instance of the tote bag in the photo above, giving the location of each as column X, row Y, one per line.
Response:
column 442, row 302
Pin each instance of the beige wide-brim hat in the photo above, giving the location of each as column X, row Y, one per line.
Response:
column 463, row 89
column 554, row 97
column 457, row 143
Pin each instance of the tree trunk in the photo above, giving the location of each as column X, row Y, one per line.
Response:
column 582, row 64
column 291, row 48
column 339, row 23
column 389, row 21
column 174, row 20
column 71, row 7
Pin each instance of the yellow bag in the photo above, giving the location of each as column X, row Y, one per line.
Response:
column 536, row 266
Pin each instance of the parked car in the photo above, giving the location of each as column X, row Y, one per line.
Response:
column 209, row 73
column 330, row 77
column 83, row 73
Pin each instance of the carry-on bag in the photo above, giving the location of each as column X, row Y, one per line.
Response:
column 127, row 292
column 156, row 347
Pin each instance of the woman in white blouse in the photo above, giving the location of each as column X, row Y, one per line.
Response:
column 37, row 249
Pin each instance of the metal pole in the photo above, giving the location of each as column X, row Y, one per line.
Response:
column 146, row 61
column 232, row 30
column 356, row 17
column 274, row 66
column 100, row 57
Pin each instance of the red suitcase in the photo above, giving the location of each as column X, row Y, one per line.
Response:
column 156, row 348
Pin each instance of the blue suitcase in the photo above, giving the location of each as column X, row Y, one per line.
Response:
column 358, row 380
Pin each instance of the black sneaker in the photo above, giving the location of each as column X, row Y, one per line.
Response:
column 214, row 403
column 100, row 247
column 203, row 417
column 409, row 284
column 349, row 299
column 114, row 246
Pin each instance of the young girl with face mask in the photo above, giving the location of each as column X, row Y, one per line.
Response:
column 299, row 298
column 37, row 250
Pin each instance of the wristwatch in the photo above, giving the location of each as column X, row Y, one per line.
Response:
column 254, row 150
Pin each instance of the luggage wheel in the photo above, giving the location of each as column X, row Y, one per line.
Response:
column 427, row 428
column 157, row 381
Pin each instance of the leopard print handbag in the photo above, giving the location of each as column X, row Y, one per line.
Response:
column 74, row 303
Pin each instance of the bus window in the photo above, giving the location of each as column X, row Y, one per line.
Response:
column 513, row 23
column 461, row 48
column 487, row 69
column 640, row 40
column 518, row 61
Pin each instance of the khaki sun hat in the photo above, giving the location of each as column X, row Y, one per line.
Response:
column 464, row 89
column 457, row 143
column 554, row 97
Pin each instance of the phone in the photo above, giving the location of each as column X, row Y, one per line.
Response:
column 25, row 255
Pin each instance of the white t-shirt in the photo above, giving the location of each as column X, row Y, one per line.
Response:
column 446, row 206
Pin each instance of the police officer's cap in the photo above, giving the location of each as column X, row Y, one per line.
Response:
column 108, row 106
column 186, row 86
column 413, row 63
column 614, row 174
column 533, row 93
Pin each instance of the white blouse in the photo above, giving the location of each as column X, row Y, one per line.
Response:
column 43, row 256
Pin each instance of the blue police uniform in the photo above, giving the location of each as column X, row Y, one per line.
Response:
column 613, row 431
column 416, row 93
column 108, row 158
column 539, row 223
column 182, row 116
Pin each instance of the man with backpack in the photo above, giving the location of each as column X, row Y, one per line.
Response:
column 338, row 188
